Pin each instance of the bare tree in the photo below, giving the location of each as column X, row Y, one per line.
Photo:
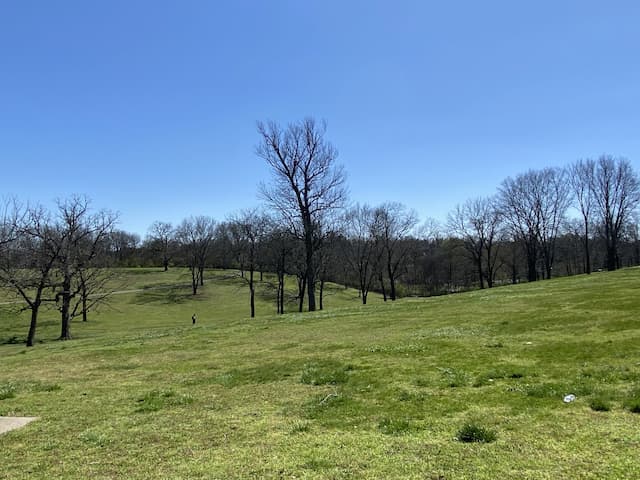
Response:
column 160, row 238
column 616, row 190
column 534, row 205
column 553, row 201
column 195, row 235
column 363, row 249
column 28, row 259
column 248, row 230
column 306, row 182
column 279, row 246
column 122, row 246
column 395, row 225
column 80, row 235
column 477, row 223
column 581, row 178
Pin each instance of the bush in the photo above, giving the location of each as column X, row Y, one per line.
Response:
column 633, row 405
column 600, row 404
column 474, row 433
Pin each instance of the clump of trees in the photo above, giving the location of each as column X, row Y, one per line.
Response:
column 57, row 257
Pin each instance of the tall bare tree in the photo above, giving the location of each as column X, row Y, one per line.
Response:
column 581, row 176
column 616, row 190
column 306, row 182
column 81, row 235
column 534, row 205
column 554, row 198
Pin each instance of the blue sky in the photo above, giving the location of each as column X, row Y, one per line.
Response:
column 150, row 107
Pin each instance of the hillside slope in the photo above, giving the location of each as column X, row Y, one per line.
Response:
column 375, row 391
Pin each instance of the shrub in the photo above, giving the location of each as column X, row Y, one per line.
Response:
column 633, row 405
column 600, row 404
column 471, row 432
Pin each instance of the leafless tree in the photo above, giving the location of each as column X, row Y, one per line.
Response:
column 396, row 223
column 195, row 236
column 306, row 182
column 160, row 238
column 81, row 235
column 121, row 245
column 581, row 176
column 534, row 205
column 248, row 231
column 363, row 249
column 477, row 223
column 278, row 249
column 28, row 259
column 553, row 201
column 616, row 190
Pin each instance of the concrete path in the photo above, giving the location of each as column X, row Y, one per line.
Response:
column 11, row 423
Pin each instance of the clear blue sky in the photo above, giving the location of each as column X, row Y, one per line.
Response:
column 149, row 107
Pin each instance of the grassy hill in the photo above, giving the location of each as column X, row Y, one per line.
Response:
column 377, row 391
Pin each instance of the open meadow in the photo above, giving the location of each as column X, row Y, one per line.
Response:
column 386, row 390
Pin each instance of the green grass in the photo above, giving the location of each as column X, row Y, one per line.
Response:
column 377, row 391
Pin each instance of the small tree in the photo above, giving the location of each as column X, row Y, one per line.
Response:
column 161, row 238
column 395, row 223
column 363, row 248
column 195, row 236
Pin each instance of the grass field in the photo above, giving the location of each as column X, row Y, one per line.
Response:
column 386, row 390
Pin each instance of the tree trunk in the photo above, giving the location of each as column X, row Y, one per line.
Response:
column 65, row 333
column 321, row 292
column 32, row 325
column 84, row 306
column 310, row 273
column 83, row 296
column 302, row 284
column 252, row 294
column 532, row 265
column 194, row 280
column 281, row 294
column 201, row 275
column 587, row 256
column 392, row 284
column 612, row 255
column 480, row 273
column 384, row 291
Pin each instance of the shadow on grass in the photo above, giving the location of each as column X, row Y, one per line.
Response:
column 167, row 296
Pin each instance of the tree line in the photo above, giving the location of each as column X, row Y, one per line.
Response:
column 539, row 224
